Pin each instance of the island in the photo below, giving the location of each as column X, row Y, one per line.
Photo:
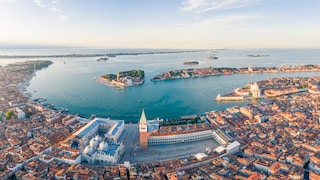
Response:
column 258, row 55
column 191, row 63
column 122, row 79
column 214, row 71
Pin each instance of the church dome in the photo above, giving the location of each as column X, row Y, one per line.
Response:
column 87, row 150
column 103, row 145
column 98, row 138
column 254, row 86
column 93, row 143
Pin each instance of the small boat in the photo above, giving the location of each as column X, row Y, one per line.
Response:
column 102, row 59
column 41, row 99
column 64, row 110
column 211, row 57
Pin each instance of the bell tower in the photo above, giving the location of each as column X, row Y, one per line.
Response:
column 143, row 130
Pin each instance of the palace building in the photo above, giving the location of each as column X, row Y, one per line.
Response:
column 98, row 142
column 112, row 128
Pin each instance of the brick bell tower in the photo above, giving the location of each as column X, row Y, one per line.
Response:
column 143, row 129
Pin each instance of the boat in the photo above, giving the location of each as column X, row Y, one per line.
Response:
column 191, row 63
column 41, row 99
column 211, row 57
column 157, row 78
column 48, row 105
column 102, row 59
column 64, row 110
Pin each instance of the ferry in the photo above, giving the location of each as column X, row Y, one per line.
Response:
column 102, row 59
column 211, row 57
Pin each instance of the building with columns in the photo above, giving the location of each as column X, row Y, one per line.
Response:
column 152, row 134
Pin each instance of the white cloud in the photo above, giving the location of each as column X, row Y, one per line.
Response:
column 53, row 7
column 6, row 1
column 63, row 17
column 189, row 5
column 39, row 3
column 204, row 32
column 234, row 18
column 218, row 22
column 200, row 6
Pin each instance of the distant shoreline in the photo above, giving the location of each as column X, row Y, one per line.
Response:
column 95, row 55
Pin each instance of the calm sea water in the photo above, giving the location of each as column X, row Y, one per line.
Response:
column 69, row 82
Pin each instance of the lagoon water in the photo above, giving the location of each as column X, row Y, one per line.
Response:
column 69, row 82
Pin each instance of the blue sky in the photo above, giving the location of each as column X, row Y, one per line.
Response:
column 161, row 23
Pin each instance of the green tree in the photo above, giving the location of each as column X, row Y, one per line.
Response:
column 28, row 114
column 9, row 114
column 2, row 168
column 110, row 76
column 304, row 86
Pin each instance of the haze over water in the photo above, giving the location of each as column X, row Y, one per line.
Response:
column 69, row 82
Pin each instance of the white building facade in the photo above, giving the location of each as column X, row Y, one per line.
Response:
column 180, row 138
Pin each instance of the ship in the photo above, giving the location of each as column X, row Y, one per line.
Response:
column 210, row 57
column 191, row 63
column 102, row 59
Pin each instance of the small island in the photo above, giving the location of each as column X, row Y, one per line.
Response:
column 102, row 59
column 123, row 79
column 191, row 63
column 258, row 55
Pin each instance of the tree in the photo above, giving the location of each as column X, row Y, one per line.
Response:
column 304, row 86
column 28, row 114
column 9, row 114
column 110, row 76
column 2, row 168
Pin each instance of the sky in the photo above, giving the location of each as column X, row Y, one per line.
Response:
column 185, row 24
